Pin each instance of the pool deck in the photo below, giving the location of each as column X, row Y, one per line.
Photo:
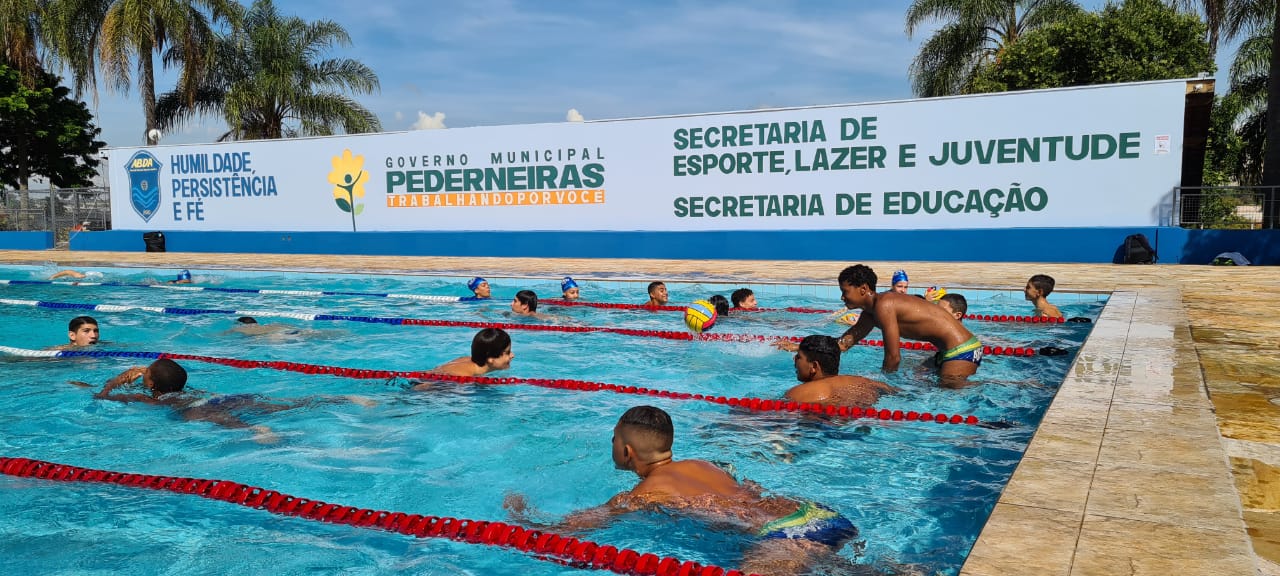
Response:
column 1159, row 455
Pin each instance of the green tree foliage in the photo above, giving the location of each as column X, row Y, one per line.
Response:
column 44, row 132
column 267, row 80
column 1130, row 42
column 974, row 34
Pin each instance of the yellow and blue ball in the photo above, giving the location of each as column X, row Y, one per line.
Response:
column 700, row 316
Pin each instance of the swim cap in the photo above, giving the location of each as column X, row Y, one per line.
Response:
column 184, row 275
column 567, row 284
column 899, row 276
column 475, row 283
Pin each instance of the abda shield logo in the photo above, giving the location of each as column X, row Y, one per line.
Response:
column 144, row 184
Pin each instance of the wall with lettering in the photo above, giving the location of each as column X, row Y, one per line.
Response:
column 1101, row 156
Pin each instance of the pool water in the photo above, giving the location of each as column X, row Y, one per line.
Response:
column 918, row 492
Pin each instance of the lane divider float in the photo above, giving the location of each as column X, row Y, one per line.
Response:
column 450, row 299
column 546, row 546
column 399, row 321
column 749, row 403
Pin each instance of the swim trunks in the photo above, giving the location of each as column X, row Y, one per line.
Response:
column 225, row 401
column 969, row 351
column 813, row 522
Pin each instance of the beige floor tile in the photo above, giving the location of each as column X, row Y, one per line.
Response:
column 1064, row 441
column 1173, row 419
column 1003, row 549
column 1115, row 546
column 1160, row 447
column 1154, row 495
column 1051, row 484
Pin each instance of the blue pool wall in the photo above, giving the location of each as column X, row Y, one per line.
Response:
column 26, row 240
column 1083, row 245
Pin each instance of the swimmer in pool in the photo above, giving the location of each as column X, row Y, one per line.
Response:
column 569, row 289
column 526, row 304
column 75, row 275
column 164, row 383
column 490, row 352
column 790, row 535
column 900, row 282
column 744, row 299
column 721, row 304
column 901, row 316
column 479, row 288
column 1037, row 292
column 184, row 277
column 817, row 368
column 657, row 294
column 955, row 304
column 81, row 331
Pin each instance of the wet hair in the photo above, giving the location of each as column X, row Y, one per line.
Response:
column 739, row 295
column 654, row 285
column 247, row 320
column 721, row 303
column 1042, row 283
column 489, row 343
column 167, row 376
column 528, row 298
column 79, row 321
column 652, row 423
column 957, row 302
column 858, row 275
column 824, row 350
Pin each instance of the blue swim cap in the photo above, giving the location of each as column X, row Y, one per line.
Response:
column 567, row 284
column 184, row 275
column 475, row 283
column 899, row 276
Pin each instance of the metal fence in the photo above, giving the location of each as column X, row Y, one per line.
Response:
column 1226, row 207
column 63, row 211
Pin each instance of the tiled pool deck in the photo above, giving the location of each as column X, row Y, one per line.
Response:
column 1160, row 454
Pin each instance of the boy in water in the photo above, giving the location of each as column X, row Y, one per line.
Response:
column 479, row 288
column 490, row 352
column 898, row 316
column 744, row 298
column 955, row 304
column 569, row 289
column 792, row 535
column 164, row 382
column 657, row 294
column 81, row 331
column 818, row 366
column 526, row 304
column 900, row 282
column 1038, row 289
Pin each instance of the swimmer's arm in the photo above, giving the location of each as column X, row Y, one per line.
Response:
column 66, row 273
column 858, row 331
column 121, row 379
column 580, row 521
column 892, row 342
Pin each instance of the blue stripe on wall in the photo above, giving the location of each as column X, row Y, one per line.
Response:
column 26, row 240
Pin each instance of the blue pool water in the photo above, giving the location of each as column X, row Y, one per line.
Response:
column 919, row 493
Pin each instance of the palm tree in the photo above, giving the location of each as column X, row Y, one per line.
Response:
column 20, row 32
column 266, row 80
column 974, row 33
column 1214, row 13
column 1260, row 19
column 132, row 30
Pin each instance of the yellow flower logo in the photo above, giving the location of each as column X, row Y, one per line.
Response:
column 348, row 177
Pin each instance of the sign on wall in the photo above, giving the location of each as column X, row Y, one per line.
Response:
column 1095, row 156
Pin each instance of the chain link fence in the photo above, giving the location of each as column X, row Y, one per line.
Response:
column 1226, row 207
column 63, row 211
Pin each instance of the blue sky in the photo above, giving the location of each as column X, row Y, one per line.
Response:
column 456, row 63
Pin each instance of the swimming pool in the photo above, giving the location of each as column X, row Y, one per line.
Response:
column 918, row 492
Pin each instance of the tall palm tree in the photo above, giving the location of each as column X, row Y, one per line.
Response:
column 138, row 30
column 974, row 32
column 1261, row 19
column 1214, row 13
column 1250, row 75
column 267, row 80
column 20, row 32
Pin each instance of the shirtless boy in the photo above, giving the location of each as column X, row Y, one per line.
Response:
column 791, row 534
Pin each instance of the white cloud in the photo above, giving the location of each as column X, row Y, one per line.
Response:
column 431, row 122
column 573, row 116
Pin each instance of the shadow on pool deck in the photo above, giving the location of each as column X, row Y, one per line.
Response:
column 1160, row 454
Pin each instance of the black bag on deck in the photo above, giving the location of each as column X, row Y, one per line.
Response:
column 154, row 241
column 1137, row 250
